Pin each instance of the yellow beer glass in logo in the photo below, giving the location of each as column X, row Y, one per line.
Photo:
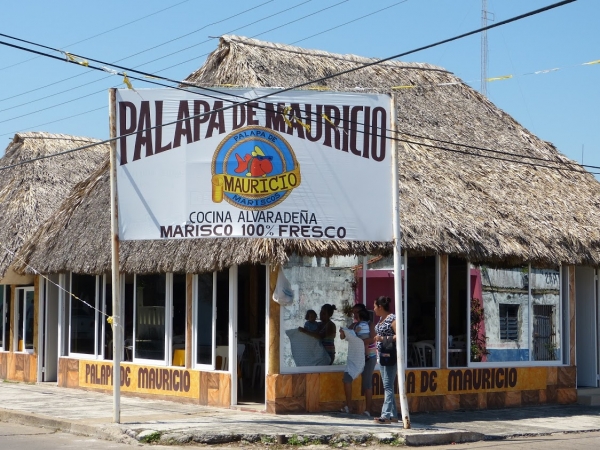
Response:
column 254, row 168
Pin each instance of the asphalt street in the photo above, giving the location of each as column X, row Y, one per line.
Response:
column 22, row 437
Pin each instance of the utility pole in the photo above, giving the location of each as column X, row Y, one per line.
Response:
column 484, row 48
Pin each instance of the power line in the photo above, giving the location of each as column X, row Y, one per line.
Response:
column 104, row 32
column 231, row 31
column 58, row 120
column 119, row 60
column 318, row 80
column 349, row 22
column 152, row 75
column 202, row 28
column 121, row 67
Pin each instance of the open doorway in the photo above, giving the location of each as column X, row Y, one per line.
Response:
column 586, row 326
column 251, row 319
column 48, row 330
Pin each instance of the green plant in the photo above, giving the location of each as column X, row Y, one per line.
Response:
column 551, row 348
column 295, row 440
column 267, row 439
column 151, row 438
column 478, row 338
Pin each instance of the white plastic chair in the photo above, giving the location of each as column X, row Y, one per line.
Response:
column 425, row 354
column 223, row 352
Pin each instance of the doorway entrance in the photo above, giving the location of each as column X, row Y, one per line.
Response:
column 48, row 330
column 586, row 326
column 251, row 326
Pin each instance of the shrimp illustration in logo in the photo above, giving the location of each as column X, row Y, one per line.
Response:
column 254, row 168
column 255, row 164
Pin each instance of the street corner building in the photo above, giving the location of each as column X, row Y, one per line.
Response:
column 499, row 237
column 31, row 192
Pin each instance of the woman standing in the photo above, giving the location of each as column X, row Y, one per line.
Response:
column 326, row 332
column 386, row 334
column 364, row 329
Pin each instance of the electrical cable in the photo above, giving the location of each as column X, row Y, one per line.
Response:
column 204, row 27
column 119, row 60
column 328, row 77
column 104, row 32
column 114, row 65
column 231, row 31
column 349, row 22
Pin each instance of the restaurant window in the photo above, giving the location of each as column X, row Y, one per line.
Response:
column 178, row 321
column 4, row 315
column 204, row 306
column 421, row 311
column 315, row 285
column 509, row 322
column 457, row 307
column 545, row 304
column 24, row 319
column 83, row 304
column 88, row 332
column 149, row 312
column 515, row 314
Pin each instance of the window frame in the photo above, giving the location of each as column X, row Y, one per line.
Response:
column 166, row 361
column 195, row 363
column 68, row 304
column 563, row 309
column 18, row 321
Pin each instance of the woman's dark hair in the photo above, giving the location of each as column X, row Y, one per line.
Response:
column 363, row 314
column 329, row 309
column 360, row 306
column 383, row 302
column 309, row 312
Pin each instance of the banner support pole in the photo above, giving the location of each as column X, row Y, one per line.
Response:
column 116, row 291
column 400, row 347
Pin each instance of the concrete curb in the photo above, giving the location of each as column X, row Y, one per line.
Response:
column 118, row 433
column 442, row 437
column 109, row 433
column 428, row 437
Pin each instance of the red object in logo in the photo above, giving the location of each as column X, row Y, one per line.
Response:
column 256, row 164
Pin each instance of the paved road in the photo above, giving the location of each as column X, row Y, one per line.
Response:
column 21, row 437
column 571, row 441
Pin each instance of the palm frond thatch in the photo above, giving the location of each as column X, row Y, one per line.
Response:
column 455, row 199
column 31, row 192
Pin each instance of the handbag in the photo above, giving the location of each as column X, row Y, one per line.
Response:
column 388, row 354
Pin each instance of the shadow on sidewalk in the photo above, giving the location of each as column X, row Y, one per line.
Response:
column 451, row 418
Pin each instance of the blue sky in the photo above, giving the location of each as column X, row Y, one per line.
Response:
column 173, row 37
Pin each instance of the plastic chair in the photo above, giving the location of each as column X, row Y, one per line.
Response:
column 223, row 353
column 259, row 361
column 240, row 356
column 425, row 353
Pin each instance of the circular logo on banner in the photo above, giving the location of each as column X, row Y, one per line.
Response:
column 254, row 168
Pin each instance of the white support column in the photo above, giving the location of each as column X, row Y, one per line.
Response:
column 400, row 348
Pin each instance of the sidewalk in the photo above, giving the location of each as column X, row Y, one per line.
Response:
column 90, row 413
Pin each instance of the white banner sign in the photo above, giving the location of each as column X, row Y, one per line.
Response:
column 301, row 164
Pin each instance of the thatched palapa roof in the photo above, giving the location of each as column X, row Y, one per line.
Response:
column 30, row 193
column 459, row 202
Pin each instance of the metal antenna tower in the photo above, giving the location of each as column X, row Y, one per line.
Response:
column 484, row 48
